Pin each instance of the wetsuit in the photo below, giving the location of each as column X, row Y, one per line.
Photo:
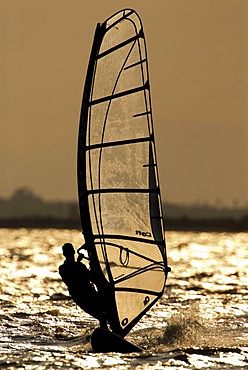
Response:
column 77, row 278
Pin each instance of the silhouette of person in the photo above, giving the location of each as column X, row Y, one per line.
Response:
column 77, row 278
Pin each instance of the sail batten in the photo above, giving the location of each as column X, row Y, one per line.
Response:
column 120, row 19
column 119, row 95
column 118, row 185
column 125, row 237
column 143, row 291
column 135, row 64
column 142, row 114
column 122, row 190
column 116, row 47
column 120, row 142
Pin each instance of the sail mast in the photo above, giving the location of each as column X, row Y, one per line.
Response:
column 83, row 127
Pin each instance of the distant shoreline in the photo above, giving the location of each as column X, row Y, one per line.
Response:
column 181, row 224
column 25, row 209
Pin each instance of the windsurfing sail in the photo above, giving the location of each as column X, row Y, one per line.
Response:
column 118, row 186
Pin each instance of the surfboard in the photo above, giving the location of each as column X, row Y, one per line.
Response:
column 103, row 340
column 118, row 184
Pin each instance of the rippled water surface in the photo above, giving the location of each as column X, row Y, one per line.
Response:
column 201, row 321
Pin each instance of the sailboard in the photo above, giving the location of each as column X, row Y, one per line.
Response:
column 103, row 340
column 118, row 184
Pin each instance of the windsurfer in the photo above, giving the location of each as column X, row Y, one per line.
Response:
column 80, row 286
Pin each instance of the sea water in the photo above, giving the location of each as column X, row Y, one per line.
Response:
column 200, row 322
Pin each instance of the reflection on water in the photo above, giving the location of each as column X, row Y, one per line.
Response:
column 201, row 321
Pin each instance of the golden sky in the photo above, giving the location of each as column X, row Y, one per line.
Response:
column 198, row 61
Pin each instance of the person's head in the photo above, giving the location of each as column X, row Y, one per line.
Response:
column 68, row 250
